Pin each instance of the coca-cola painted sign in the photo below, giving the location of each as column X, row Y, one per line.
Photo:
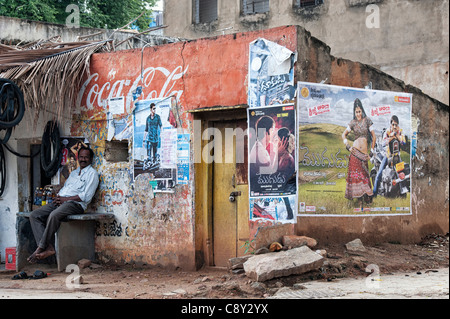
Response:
column 156, row 82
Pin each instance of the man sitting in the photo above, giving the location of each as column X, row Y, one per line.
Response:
column 72, row 199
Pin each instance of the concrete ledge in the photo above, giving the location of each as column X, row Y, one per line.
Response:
column 74, row 240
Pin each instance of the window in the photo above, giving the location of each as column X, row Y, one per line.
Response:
column 116, row 151
column 205, row 11
column 156, row 19
column 307, row 3
column 255, row 6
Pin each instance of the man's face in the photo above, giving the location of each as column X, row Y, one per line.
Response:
column 394, row 126
column 153, row 110
column 84, row 158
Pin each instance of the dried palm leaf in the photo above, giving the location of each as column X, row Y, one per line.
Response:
column 52, row 81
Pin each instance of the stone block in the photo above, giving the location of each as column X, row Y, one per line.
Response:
column 238, row 262
column 291, row 262
column 355, row 247
column 298, row 241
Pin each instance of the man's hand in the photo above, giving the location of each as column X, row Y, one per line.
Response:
column 59, row 200
column 283, row 143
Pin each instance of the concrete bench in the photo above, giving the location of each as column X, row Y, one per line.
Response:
column 74, row 240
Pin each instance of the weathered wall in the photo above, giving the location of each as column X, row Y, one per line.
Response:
column 411, row 42
column 166, row 229
column 430, row 167
column 14, row 31
column 213, row 72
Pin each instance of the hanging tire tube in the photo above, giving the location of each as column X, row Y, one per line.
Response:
column 2, row 170
column 12, row 107
column 51, row 149
column 12, row 104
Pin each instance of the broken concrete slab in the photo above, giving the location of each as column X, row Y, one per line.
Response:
column 238, row 262
column 280, row 264
column 355, row 247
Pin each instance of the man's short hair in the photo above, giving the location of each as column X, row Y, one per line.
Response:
column 265, row 122
column 395, row 118
column 284, row 133
column 91, row 152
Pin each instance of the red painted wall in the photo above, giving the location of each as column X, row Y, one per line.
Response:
column 206, row 72
column 202, row 73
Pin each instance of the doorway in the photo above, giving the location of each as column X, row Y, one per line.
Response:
column 222, row 226
column 229, row 191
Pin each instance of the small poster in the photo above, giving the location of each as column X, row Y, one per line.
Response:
column 169, row 148
column 69, row 159
column 183, row 155
column 119, row 125
column 271, row 74
column 277, row 209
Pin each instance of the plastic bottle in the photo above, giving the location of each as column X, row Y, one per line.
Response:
column 44, row 197
column 36, row 196
column 49, row 195
column 39, row 197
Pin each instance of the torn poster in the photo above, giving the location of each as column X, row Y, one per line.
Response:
column 271, row 74
column 277, row 209
column 119, row 124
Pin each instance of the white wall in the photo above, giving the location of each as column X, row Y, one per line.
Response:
column 18, row 177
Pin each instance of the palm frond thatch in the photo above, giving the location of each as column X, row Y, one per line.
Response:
column 49, row 74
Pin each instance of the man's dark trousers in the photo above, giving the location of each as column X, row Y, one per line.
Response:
column 45, row 221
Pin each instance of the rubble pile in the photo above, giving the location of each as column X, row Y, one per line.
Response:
column 294, row 256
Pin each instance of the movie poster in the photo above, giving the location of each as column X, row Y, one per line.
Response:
column 354, row 151
column 154, row 143
column 184, row 155
column 119, row 124
column 271, row 73
column 276, row 209
column 272, row 151
column 69, row 156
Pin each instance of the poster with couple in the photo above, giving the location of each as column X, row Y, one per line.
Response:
column 273, row 163
column 354, row 151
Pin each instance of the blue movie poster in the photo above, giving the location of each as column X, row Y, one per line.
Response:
column 271, row 72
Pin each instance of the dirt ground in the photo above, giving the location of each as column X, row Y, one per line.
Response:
column 129, row 282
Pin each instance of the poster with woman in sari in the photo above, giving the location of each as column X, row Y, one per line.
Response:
column 343, row 151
